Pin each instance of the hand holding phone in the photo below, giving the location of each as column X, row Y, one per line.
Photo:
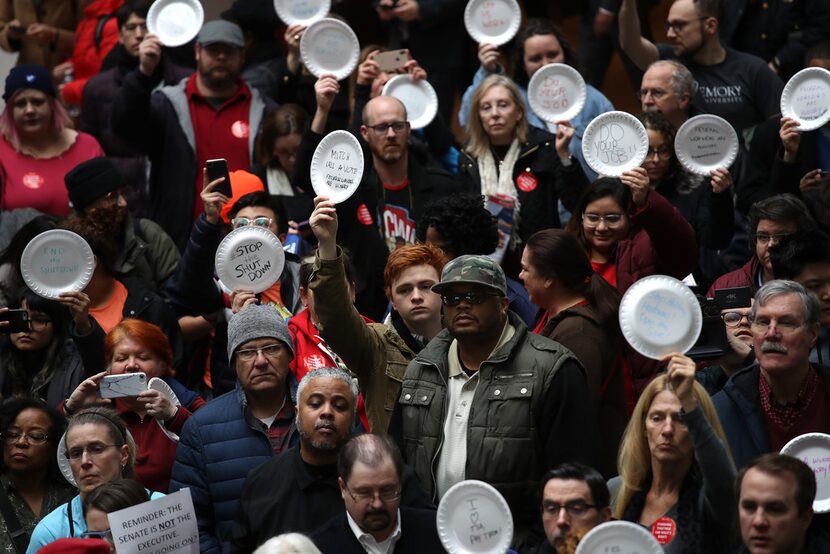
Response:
column 124, row 384
column 13, row 321
column 389, row 62
column 219, row 168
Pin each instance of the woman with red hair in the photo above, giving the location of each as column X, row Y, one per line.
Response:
column 135, row 346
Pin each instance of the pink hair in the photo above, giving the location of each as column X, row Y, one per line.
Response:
column 60, row 119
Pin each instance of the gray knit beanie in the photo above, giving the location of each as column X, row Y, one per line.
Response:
column 256, row 322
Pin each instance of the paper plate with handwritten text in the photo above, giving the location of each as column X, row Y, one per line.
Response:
column 557, row 92
column 705, row 142
column 660, row 315
column 806, row 98
column 614, row 142
column 303, row 12
column 622, row 537
column 57, row 261
column 814, row 450
column 492, row 21
column 329, row 46
column 250, row 258
column 473, row 517
column 337, row 166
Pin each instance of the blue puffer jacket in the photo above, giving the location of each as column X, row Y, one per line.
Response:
column 217, row 449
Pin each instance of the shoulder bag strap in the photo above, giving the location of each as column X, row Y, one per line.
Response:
column 18, row 535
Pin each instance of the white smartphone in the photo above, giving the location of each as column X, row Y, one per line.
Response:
column 125, row 384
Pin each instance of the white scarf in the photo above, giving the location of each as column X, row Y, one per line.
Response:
column 500, row 181
column 278, row 183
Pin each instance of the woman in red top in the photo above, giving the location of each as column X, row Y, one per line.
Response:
column 37, row 147
column 581, row 314
column 137, row 346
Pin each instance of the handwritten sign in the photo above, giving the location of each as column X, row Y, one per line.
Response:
column 614, row 142
column 705, row 142
column 658, row 315
column 250, row 258
column 474, row 517
column 618, row 537
column 337, row 166
column 814, row 450
column 811, row 100
column 163, row 526
column 492, row 21
column 56, row 261
column 304, row 12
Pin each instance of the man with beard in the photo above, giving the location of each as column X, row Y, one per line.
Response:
column 486, row 399
column 738, row 87
column 241, row 429
column 298, row 490
column 396, row 185
column 783, row 395
column 97, row 190
column 211, row 114
column 668, row 87
column 370, row 468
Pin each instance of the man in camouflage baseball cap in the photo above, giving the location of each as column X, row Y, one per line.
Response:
column 472, row 270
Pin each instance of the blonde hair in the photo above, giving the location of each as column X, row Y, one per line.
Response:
column 479, row 141
column 634, row 457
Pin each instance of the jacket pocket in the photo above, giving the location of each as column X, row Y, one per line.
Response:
column 394, row 377
column 509, row 409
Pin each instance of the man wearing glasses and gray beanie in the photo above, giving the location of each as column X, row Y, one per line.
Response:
column 241, row 429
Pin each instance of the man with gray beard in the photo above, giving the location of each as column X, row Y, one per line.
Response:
column 298, row 490
column 783, row 395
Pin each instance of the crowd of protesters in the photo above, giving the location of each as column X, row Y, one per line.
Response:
column 413, row 341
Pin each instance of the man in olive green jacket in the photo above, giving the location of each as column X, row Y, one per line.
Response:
column 489, row 400
column 378, row 354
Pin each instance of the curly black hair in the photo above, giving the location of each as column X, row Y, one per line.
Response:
column 465, row 225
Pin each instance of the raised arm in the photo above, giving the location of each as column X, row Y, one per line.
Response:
column 642, row 51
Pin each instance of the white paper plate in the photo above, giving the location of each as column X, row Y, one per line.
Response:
column 418, row 98
column 706, row 142
column 557, row 92
column 250, row 258
column 660, row 315
column 814, row 450
column 806, row 98
column 57, row 261
column 623, row 537
column 175, row 22
column 302, row 12
column 329, row 46
column 614, row 142
column 337, row 166
column 473, row 517
column 492, row 21
column 63, row 461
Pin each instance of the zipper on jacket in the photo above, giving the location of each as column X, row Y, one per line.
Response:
column 440, row 442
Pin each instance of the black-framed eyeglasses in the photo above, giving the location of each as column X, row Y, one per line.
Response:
column 470, row 297
column 663, row 153
column 575, row 508
column 94, row 450
column 385, row 496
column 39, row 323
column 250, row 354
column 32, row 437
column 733, row 319
column 678, row 26
column 383, row 128
column 238, row 222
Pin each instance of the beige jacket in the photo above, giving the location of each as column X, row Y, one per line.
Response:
column 374, row 352
column 61, row 14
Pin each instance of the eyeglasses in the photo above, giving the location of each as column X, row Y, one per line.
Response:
column 678, row 26
column 238, row 222
column 250, row 354
column 383, row 128
column 470, row 297
column 576, row 508
column 663, row 153
column 32, row 437
column 733, row 319
column 656, row 93
column 112, row 196
column 103, row 535
column 385, row 496
column 95, row 450
column 132, row 27
column 39, row 323
column 611, row 220
column 762, row 325
column 765, row 238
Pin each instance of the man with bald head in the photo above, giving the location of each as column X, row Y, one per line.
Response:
column 399, row 179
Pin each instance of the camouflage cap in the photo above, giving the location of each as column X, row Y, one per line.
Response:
column 472, row 270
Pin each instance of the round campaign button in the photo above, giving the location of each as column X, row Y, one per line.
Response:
column 664, row 529
column 527, row 181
